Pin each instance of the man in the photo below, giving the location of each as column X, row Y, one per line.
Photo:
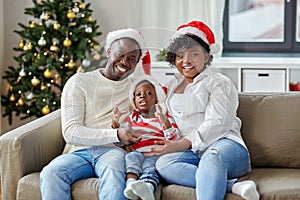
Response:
column 86, row 112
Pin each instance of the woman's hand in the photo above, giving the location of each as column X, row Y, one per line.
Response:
column 171, row 146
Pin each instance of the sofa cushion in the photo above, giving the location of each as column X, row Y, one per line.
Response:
column 276, row 183
column 87, row 189
column 271, row 128
column 177, row 192
column 272, row 183
column 29, row 187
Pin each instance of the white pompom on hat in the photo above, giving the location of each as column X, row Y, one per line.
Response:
column 201, row 30
column 160, row 93
column 135, row 35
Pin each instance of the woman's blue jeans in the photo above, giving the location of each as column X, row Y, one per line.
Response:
column 105, row 162
column 212, row 174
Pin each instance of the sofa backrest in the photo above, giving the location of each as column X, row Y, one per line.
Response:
column 271, row 128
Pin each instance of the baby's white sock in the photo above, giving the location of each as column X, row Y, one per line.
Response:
column 128, row 190
column 143, row 190
column 246, row 189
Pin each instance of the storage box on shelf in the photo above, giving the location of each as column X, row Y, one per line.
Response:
column 263, row 80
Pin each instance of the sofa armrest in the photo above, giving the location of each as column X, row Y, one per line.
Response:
column 28, row 149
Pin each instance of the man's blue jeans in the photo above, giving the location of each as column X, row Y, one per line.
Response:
column 105, row 162
column 224, row 160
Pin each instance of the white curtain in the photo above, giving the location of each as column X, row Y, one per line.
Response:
column 158, row 19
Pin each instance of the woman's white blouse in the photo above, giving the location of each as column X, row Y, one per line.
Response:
column 206, row 111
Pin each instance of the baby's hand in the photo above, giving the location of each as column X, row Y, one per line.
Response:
column 116, row 117
column 117, row 114
column 161, row 117
column 158, row 113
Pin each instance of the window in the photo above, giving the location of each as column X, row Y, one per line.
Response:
column 262, row 26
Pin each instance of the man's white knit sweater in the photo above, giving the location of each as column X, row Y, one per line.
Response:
column 86, row 108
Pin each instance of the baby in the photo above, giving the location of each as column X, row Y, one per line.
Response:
column 151, row 120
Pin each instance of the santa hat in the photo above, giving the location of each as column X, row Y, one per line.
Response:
column 135, row 35
column 201, row 30
column 160, row 92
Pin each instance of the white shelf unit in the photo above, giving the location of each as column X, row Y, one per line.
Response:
column 233, row 68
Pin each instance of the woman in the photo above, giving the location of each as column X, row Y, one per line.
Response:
column 203, row 104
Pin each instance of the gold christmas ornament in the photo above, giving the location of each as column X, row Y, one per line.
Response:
column 47, row 16
column 43, row 86
column 35, row 81
column 54, row 47
column 96, row 47
column 56, row 78
column 81, row 5
column 67, row 42
column 19, row 78
column 56, row 25
column 21, row 44
column 20, row 102
column 32, row 25
column 12, row 97
column 71, row 64
column 45, row 110
column 79, row 69
column 90, row 19
column 97, row 56
column 47, row 73
column 71, row 14
column 27, row 46
column 38, row 56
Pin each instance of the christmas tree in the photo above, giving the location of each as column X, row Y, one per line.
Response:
column 59, row 42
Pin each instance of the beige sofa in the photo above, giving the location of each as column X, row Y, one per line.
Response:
column 271, row 129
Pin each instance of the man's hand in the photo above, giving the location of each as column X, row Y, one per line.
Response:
column 128, row 136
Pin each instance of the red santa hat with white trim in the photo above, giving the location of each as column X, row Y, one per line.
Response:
column 135, row 35
column 201, row 30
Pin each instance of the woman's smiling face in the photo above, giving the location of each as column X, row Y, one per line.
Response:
column 191, row 61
